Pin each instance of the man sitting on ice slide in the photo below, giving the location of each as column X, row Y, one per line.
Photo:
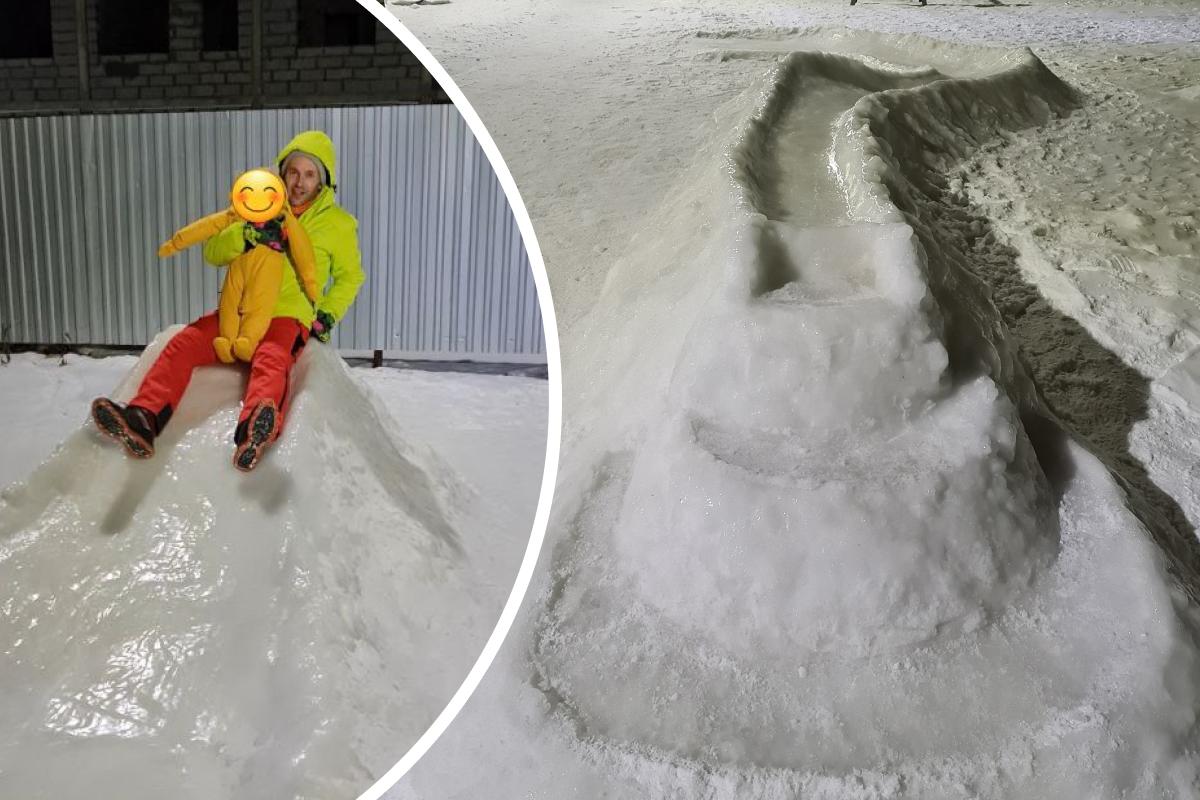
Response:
column 307, row 165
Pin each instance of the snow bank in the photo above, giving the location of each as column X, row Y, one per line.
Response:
column 966, row 264
column 175, row 627
column 1104, row 237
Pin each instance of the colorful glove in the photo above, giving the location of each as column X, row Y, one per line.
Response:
column 250, row 235
column 268, row 233
column 322, row 326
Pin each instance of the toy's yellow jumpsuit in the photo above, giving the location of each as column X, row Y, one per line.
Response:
column 252, row 282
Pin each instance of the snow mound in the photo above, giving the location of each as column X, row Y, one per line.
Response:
column 820, row 513
column 176, row 628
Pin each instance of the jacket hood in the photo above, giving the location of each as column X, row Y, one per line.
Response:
column 315, row 143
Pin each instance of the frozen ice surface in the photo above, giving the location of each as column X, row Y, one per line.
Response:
column 857, row 500
column 176, row 628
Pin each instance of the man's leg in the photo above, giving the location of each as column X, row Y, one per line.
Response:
column 266, row 395
column 137, row 424
column 164, row 385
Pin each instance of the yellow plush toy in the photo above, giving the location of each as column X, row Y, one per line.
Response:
column 254, row 278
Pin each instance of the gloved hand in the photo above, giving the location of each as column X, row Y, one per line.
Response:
column 167, row 248
column 250, row 235
column 268, row 233
column 322, row 326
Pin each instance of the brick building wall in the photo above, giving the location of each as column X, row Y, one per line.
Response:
column 29, row 82
column 270, row 67
column 184, row 73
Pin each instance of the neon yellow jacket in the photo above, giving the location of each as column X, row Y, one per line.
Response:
column 334, row 236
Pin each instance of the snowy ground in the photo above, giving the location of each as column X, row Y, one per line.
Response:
column 881, row 400
column 288, row 633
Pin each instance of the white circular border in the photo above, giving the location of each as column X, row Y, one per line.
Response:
column 553, row 423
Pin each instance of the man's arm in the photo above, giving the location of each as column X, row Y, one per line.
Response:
column 225, row 246
column 347, row 272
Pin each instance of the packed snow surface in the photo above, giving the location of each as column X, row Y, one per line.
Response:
column 175, row 628
column 861, row 495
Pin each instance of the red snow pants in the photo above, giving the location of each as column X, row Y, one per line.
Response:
column 163, row 386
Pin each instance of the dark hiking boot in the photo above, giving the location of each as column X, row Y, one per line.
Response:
column 254, row 434
column 132, row 426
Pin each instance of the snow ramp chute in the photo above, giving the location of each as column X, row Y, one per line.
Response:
column 805, row 542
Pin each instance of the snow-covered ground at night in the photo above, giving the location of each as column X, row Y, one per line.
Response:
column 881, row 353
column 175, row 628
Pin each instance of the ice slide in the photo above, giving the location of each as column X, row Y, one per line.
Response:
column 175, row 628
column 829, row 540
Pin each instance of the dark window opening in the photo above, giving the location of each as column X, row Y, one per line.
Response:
column 334, row 23
column 133, row 26
column 219, row 25
column 26, row 31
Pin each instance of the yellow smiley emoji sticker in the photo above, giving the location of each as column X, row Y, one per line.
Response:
column 258, row 195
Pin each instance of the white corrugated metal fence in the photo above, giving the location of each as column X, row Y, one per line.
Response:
column 85, row 201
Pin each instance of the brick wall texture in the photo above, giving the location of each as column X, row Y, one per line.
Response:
column 187, row 77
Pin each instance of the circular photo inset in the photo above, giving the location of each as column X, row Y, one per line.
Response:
column 280, row 398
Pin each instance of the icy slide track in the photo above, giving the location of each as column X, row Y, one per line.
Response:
column 174, row 628
column 831, row 562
